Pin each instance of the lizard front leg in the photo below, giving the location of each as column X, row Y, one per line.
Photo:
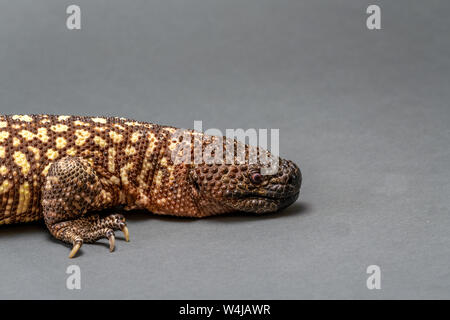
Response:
column 72, row 188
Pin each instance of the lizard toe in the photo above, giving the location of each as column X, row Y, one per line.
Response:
column 76, row 246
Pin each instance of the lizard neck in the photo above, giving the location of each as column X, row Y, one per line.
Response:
column 139, row 161
column 151, row 178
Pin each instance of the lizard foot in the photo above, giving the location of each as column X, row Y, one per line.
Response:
column 73, row 188
column 89, row 230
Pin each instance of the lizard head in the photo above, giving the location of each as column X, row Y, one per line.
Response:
column 244, row 187
column 204, row 175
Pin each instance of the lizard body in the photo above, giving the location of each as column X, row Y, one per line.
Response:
column 62, row 168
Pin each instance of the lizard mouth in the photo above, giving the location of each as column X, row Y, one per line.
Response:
column 287, row 201
column 269, row 195
column 258, row 203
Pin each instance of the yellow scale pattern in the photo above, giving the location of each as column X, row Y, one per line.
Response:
column 133, row 156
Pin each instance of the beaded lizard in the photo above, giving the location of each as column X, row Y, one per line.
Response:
column 63, row 168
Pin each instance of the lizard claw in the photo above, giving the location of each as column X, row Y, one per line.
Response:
column 126, row 233
column 124, row 229
column 93, row 228
column 112, row 240
column 76, row 246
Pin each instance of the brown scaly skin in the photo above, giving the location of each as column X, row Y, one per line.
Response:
column 62, row 168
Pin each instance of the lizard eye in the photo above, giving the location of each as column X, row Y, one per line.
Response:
column 256, row 178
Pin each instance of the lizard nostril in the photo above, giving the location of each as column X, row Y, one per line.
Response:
column 291, row 179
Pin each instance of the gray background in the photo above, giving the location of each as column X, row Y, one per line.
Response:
column 364, row 113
